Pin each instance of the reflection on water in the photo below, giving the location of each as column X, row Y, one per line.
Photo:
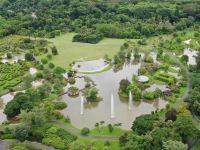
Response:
column 108, row 84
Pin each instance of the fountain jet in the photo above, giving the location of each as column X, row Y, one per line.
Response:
column 112, row 107
column 130, row 104
column 82, row 105
column 132, row 56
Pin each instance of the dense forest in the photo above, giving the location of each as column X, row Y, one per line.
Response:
column 93, row 20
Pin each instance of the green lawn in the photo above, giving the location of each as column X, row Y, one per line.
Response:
column 99, row 144
column 103, row 131
column 71, row 51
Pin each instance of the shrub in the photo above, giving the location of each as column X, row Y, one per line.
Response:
column 60, row 105
column 148, row 59
column 54, row 50
column 49, row 56
column 29, row 57
column 40, row 67
column 149, row 95
column 22, row 132
column 91, row 94
column 71, row 80
column 165, row 78
column 85, row 131
column 51, row 65
column 110, row 128
column 9, row 55
column 73, row 91
column 124, row 85
column 59, row 70
column 58, row 138
column 39, row 75
column 54, row 141
column 44, row 60
column 106, row 143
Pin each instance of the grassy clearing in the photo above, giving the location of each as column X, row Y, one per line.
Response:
column 71, row 51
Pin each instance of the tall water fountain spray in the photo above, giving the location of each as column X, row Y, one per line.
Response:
column 82, row 105
column 130, row 103
column 132, row 56
column 112, row 107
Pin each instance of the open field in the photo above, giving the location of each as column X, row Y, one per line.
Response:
column 71, row 51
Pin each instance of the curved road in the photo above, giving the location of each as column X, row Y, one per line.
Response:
column 78, row 133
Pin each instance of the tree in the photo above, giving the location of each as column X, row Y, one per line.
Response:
column 144, row 123
column 85, row 131
column 97, row 125
column 91, row 94
column 29, row 57
column 9, row 55
column 124, row 85
column 123, row 139
column 44, row 60
column 51, row 65
column 174, row 145
column 136, row 142
column 54, row 50
column 19, row 102
column 185, row 127
column 102, row 122
column 58, row 70
column 171, row 115
column 160, row 134
column 110, row 128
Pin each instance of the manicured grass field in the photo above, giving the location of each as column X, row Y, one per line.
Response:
column 99, row 144
column 71, row 51
column 103, row 131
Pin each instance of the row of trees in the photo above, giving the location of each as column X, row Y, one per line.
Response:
column 123, row 19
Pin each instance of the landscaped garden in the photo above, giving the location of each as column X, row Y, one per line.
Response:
column 100, row 75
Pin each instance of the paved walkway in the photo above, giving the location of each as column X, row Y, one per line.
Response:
column 78, row 133
column 189, row 86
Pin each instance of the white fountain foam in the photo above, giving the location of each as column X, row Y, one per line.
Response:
column 82, row 105
column 130, row 105
column 112, row 107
